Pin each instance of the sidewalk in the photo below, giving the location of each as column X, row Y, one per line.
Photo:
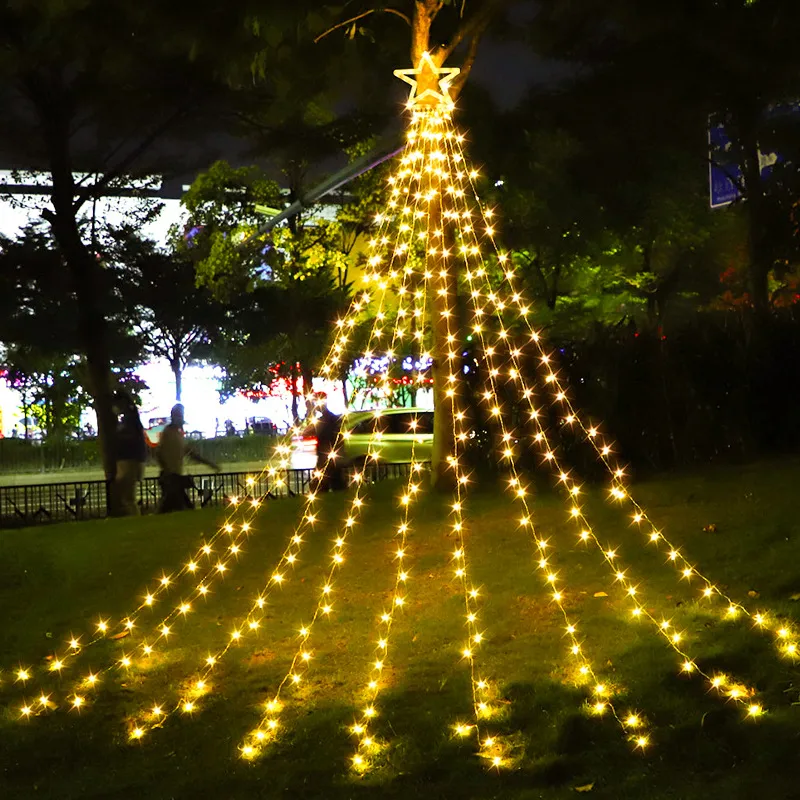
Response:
column 151, row 470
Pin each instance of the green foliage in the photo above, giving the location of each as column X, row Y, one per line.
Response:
column 651, row 77
column 41, row 348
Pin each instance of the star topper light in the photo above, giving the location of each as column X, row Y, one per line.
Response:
column 429, row 75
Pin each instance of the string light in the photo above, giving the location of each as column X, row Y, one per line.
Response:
column 543, row 558
column 268, row 724
column 549, row 456
column 434, row 161
column 367, row 745
column 481, row 699
column 290, row 555
column 604, row 451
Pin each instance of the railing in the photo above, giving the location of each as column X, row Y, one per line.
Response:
column 38, row 504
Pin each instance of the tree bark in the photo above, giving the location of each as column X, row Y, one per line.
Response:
column 759, row 251
column 178, row 373
column 442, row 476
column 54, row 109
column 308, row 388
column 293, row 381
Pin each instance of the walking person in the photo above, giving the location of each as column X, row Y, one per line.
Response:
column 131, row 453
column 172, row 449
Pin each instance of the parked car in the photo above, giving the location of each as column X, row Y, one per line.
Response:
column 262, row 425
column 397, row 435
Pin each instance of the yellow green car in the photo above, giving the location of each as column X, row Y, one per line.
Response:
column 397, row 435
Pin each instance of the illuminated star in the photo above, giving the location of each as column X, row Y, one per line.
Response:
column 428, row 73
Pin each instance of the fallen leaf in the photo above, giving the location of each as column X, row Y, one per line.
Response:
column 600, row 594
column 752, row 593
column 712, row 528
column 587, row 787
column 795, row 596
column 121, row 634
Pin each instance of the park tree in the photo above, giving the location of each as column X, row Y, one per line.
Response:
column 94, row 92
column 448, row 31
column 292, row 281
column 664, row 71
column 174, row 319
column 40, row 335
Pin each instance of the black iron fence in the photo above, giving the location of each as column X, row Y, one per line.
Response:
column 82, row 500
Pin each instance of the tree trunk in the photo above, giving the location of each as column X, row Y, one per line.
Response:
column 293, row 381
column 54, row 112
column 308, row 388
column 424, row 13
column 759, row 251
column 175, row 366
column 443, row 431
column 91, row 322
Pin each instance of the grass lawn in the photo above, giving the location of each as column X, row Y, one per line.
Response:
column 56, row 581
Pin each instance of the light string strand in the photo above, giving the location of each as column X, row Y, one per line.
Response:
column 266, row 729
column 490, row 747
column 518, row 490
column 361, row 728
column 128, row 622
column 787, row 637
column 252, row 622
column 736, row 691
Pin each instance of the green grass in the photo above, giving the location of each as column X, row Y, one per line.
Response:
column 57, row 580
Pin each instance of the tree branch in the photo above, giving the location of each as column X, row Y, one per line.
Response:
column 394, row 11
column 123, row 165
column 466, row 66
column 471, row 28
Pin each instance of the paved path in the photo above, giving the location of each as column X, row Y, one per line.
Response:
column 65, row 476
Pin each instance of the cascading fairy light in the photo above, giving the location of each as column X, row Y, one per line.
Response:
column 166, row 581
column 78, row 699
column 632, row 590
column 199, row 685
column 361, row 728
column 543, row 557
column 268, row 725
column 440, row 160
column 440, row 184
column 367, row 743
column 250, row 624
column 543, row 554
column 490, row 747
column 786, row 635
column 126, row 625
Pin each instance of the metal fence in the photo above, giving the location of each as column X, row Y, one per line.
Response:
column 21, row 506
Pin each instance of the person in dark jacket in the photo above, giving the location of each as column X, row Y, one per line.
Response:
column 131, row 452
column 328, row 473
